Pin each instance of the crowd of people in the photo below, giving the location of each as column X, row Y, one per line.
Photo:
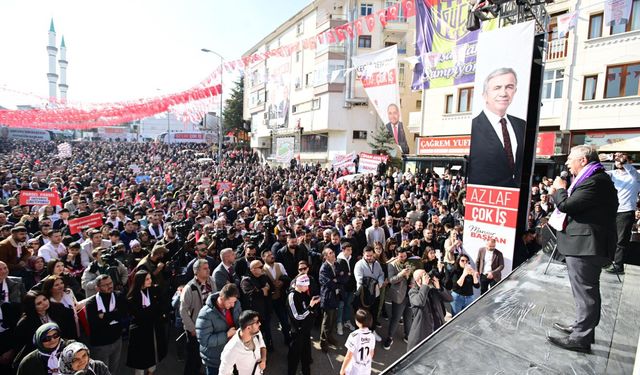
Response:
column 226, row 252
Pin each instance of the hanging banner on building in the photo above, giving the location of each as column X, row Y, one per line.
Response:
column 445, row 49
column 91, row 221
column 368, row 163
column 617, row 12
column 345, row 162
column 278, row 87
column 39, row 198
column 378, row 73
column 497, row 139
column 454, row 145
column 284, row 149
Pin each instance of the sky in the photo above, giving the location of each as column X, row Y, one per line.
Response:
column 126, row 49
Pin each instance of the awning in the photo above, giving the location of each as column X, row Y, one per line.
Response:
column 627, row 145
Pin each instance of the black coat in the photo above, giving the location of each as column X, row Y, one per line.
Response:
column 146, row 324
column 591, row 217
column 252, row 296
column 103, row 332
column 488, row 163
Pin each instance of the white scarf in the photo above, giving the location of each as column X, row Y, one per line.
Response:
column 53, row 363
column 100, row 304
column 146, row 302
column 153, row 232
column 5, row 288
column 17, row 245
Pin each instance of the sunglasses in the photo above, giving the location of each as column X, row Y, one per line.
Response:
column 48, row 338
column 303, row 268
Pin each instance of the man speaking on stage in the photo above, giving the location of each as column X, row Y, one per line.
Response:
column 497, row 139
column 585, row 221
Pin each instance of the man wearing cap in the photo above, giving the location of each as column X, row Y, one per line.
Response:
column 13, row 251
column 302, row 314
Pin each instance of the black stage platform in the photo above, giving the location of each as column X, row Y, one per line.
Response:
column 504, row 332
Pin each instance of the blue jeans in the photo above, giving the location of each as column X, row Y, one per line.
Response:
column 345, row 308
column 459, row 302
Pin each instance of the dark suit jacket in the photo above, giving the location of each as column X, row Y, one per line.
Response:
column 487, row 160
column 591, row 217
column 16, row 289
column 497, row 262
column 402, row 138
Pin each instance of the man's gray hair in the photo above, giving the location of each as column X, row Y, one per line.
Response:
column 588, row 152
column 496, row 73
column 224, row 252
column 197, row 264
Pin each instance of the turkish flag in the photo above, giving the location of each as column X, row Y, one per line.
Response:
column 409, row 7
column 341, row 34
column 309, row 205
column 358, row 24
column 349, row 29
column 152, row 201
column 371, row 22
column 331, row 38
column 392, row 12
column 382, row 16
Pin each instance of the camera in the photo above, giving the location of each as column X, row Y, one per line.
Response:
column 109, row 255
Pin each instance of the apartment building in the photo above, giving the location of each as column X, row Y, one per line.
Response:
column 590, row 92
column 308, row 96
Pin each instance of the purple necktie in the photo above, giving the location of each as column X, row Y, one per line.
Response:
column 507, row 144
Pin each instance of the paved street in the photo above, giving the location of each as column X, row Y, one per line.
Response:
column 277, row 360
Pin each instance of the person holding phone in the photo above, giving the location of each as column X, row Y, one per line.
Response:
column 302, row 314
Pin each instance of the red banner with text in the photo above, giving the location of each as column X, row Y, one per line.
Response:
column 91, row 221
column 39, row 198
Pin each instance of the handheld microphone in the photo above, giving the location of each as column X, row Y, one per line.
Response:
column 564, row 175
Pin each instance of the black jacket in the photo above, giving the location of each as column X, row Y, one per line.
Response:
column 591, row 217
column 103, row 332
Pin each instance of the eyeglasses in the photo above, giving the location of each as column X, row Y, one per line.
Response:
column 303, row 269
column 48, row 338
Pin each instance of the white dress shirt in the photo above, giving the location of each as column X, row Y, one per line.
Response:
column 497, row 127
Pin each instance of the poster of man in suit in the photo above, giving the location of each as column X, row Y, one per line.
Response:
column 396, row 127
column 498, row 133
column 497, row 138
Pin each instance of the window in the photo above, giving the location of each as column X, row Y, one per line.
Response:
column 364, row 41
column 418, row 104
column 622, row 80
column 360, row 134
column 308, row 79
column 595, row 25
column 315, row 103
column 299, row 28
column 632, row 24
column 366, row 9
column 553, row 82
column 298, row 56
column 448, row 104
column 589, row 88
column 401, row 74
column 465, row 98
column 314, row 142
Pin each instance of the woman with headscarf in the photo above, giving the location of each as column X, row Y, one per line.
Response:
column 38, row 310
column 147, row 339
column 44, row 360
column 75, row 359
column 36, row 271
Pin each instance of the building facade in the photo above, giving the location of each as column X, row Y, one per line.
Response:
column 309, row 96
column 590, row 91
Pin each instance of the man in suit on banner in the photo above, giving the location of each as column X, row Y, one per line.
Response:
column 585, row 221
column 395, row 127
column 497, row 139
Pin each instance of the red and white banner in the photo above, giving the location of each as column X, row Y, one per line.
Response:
column 378, row 73
column 491, row 212
column 546, row 145
column 369, row 162
column 91, row 221
column 224, row 186
column 345, row 162
column 39, row 198
column 205, row 182
column 456, row 145
column 216, row 202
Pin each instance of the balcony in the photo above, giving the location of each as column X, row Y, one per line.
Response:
column 557, row 49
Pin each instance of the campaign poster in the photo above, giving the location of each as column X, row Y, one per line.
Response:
column 284, row 149
column 345, row 162
column 378, row 73
column 278, row 87
column 368, row 163
column 91, row 221
column 496, row 154
column 39, row 198
column 445, row 50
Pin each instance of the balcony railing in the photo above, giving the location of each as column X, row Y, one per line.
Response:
column 557, row 49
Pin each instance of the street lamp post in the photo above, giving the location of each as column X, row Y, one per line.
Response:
column 219, row 114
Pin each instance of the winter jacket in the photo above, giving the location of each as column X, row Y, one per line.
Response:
column 191, row 303
column 211, row 330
